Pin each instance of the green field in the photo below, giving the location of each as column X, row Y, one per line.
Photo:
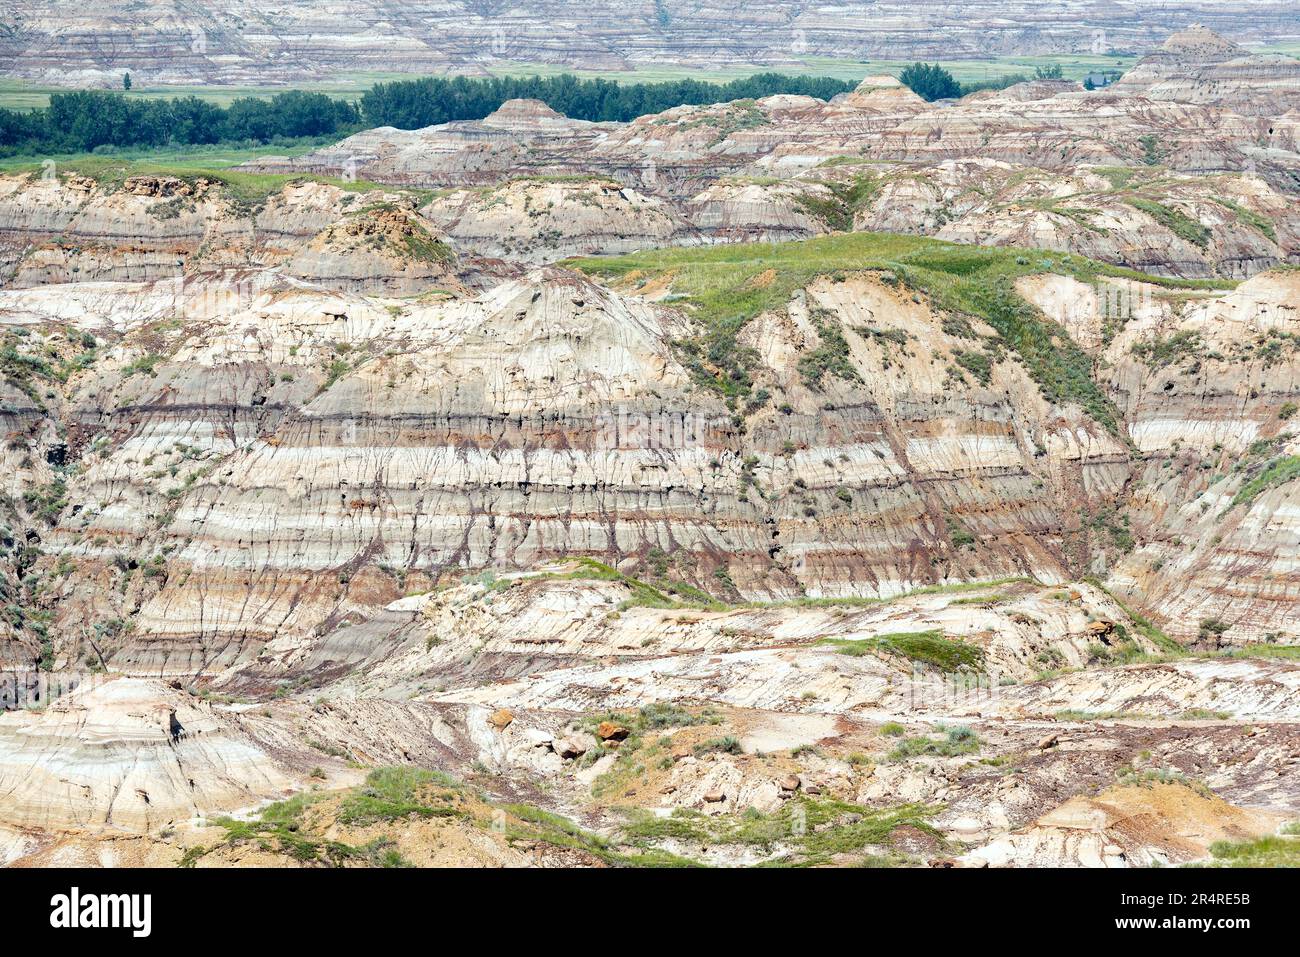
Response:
column 112, row 171
column 1291, row 48
column 22, row 95
column 19, row 94
column 724, row 287
column 159, row 159
column 1075, row 66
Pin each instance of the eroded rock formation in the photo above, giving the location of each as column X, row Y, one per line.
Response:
column 245, row 43
column 976, row 552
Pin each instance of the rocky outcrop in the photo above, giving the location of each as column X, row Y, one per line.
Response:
column 1127, row 827
column 760, row 210
column 1187, row 185
column 129, row 755
column 384, row 249
column 1215, row 487
column 964, row 555
column 539, row 220
column 1198, row 66
column 312, row 455
column 1212, row 494
column 52, row 231
column 1192, row 226
column 76, row 230
column 71, row 229
column 1055, row 125
column 688, row 713
column 304, row 453
column 571, row 630
column 405, row 440
column 521, row 137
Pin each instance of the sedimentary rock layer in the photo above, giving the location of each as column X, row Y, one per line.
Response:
column 244, row 43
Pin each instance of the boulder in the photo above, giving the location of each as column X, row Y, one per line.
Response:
column 569, row 748
column 610, row 731
column 538, row 738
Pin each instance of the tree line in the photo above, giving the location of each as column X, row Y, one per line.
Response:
column 412, row 104
column 83, row 121
column 932, row 82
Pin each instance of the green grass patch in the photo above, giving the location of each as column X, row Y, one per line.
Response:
column 1279, row 471
column 664, row 594
column 391, row 794
column 1260, row 650
column 994, row 598
column 423, row 247
column 724, row 287
column 1149, row 777
column 804, row 832
column 1203, row 714
column 1074, row 714
column 279, row 828
column 958, row 534
column 397, row 793
column 651, row 717
column 831, row 357
column 838, row 210
column 1160, row 351
column 1262, row 852
column 867, row 601
column 929, row 647
column 728, row 744
column 559, row 831
column 955, row 742
column 1250, row 217
column 1177, row 222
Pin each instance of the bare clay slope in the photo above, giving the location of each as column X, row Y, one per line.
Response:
column 259, row 482
column 866, row 549
column 288, row 462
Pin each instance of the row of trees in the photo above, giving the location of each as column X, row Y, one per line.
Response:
column 85, row 120
column 932, row 82
column 412, row 104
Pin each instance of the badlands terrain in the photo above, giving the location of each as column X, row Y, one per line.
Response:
column 873, row 482
column 245, row 41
